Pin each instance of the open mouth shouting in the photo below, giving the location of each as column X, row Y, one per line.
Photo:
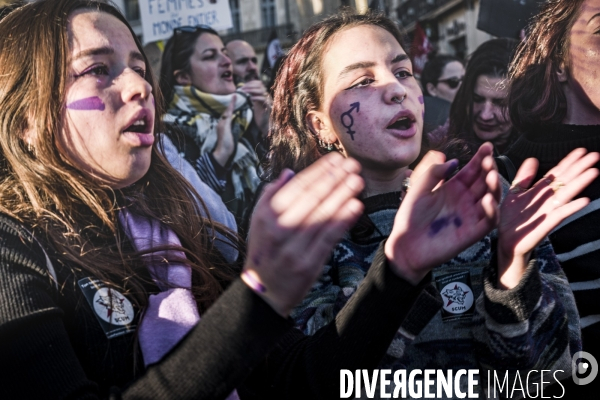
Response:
column 140, row 129
column 403, row 124
column 227, row 75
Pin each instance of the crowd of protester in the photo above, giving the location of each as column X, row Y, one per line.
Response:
column 196, row 233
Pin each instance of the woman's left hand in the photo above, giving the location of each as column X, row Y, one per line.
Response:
column 527, row 216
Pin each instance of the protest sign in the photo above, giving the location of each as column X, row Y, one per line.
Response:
column 160, row 17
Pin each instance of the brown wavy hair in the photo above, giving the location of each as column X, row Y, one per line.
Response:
column 69, row 210
column 490, row 58
column 298, row 90
column 535, row 95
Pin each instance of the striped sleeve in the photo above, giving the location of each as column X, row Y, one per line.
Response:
column 533, row 326
column 208, row 173
column 577, row 244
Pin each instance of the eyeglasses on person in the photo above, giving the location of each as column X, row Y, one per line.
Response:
column 451, row 82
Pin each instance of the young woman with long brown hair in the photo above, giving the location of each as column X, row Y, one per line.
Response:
column 112, row 285
column 479, row 113
column 347, row 86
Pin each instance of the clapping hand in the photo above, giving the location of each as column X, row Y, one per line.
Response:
column 527, row 215
column 295, row 225
column 225, row 142
column 441, row 216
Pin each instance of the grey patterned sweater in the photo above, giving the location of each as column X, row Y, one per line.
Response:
column 532, row 326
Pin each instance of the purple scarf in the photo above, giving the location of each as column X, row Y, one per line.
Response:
column 173, row 312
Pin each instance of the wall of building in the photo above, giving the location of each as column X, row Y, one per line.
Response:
column 455, row 26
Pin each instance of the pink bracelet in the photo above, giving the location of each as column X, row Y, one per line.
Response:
column 253, row 283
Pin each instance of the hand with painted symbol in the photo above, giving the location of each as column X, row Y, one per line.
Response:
column 225, row 142
column 434, row 225
column 529, row 214
column 295, row 225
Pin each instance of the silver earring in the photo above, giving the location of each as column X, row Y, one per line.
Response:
column 397, row 100
column 329, row 147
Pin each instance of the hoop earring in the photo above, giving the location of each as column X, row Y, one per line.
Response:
column 326, row 145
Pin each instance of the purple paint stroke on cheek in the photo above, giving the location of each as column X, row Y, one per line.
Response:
column 421, row 100
column 87, row 104
column 348, row 121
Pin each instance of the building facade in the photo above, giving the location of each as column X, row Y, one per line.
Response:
column 451, row 25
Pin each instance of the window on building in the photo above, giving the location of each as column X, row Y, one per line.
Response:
column 234, row 5
column 269, row 16
column 132, row 10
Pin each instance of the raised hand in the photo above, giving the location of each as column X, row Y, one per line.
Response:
column 295, row 225
column 527, row 216
column 261, row 104
column 434, row 225
column 225, row 143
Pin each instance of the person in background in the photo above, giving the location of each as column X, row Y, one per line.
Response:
column 479, row 113
column 554, row 102
column 245, row 71
column 245, row 62
column 440, row 79
column 347, row 86
column 211, row 123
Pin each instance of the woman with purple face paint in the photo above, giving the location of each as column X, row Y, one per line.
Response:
column 347, row 86
column 113, row 283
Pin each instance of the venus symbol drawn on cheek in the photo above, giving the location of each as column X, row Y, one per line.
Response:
column 87, row 104
column 347, row 119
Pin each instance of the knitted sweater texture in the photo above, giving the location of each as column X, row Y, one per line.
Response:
column 532, row 326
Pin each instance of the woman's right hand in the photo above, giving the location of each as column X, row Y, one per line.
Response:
column 295, row 225
column 225, row 143
column 440, row 217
